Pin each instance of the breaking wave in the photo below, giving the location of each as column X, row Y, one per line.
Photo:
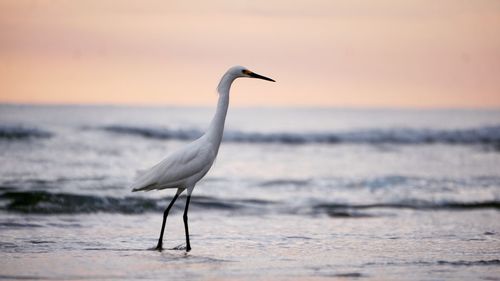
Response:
column 19, row 132
column 355, row 210
column 482, row 135
column 489, row 135
column 466, row 263
column 154, row 133
column 42, row 202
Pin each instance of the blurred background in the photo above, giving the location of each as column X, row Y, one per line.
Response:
column 323, row 53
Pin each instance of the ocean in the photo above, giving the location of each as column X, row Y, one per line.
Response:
column 295, row 194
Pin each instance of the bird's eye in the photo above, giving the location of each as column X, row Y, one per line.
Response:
column 247, row 72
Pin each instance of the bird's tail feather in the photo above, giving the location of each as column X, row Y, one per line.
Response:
column 145, row 188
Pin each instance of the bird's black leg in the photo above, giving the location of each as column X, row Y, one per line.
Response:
column 165, row 214
column 185, row 217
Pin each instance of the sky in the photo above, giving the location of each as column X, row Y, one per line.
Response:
column 352, row 53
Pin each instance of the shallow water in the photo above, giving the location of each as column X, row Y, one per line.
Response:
column 295, row 194
column 424, row 246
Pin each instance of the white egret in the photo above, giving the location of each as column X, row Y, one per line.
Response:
column 185, row 167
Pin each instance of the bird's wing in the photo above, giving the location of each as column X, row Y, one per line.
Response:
column 174, row 170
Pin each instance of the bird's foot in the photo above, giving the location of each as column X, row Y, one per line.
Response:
column 181, row 247
column 158, row 248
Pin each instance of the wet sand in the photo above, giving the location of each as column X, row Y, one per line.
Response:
column 411, row 246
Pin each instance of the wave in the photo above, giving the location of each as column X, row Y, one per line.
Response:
column 42, row 202
column 154, row 133
column 354, row 210
column 466, row 263
column 481, row 135
column 470, row 263
column 488, row 135
column 388, row 182
column 19, row 132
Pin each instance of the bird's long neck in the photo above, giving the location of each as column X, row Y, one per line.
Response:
column 216, row 128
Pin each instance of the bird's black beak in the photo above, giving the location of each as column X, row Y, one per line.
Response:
column 255, row 75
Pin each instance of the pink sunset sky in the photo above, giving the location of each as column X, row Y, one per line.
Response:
column 381, row 53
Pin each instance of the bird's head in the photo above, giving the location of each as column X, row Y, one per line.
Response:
column 237, row 72
column 240, row 71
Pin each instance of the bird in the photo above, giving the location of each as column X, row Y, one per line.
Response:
column 183, row 168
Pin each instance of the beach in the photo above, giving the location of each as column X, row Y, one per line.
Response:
column 295, row 194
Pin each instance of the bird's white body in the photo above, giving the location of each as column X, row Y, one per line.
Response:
column 181, row 169
column 185, row 167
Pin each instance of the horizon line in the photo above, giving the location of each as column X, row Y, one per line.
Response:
column 146, row 105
